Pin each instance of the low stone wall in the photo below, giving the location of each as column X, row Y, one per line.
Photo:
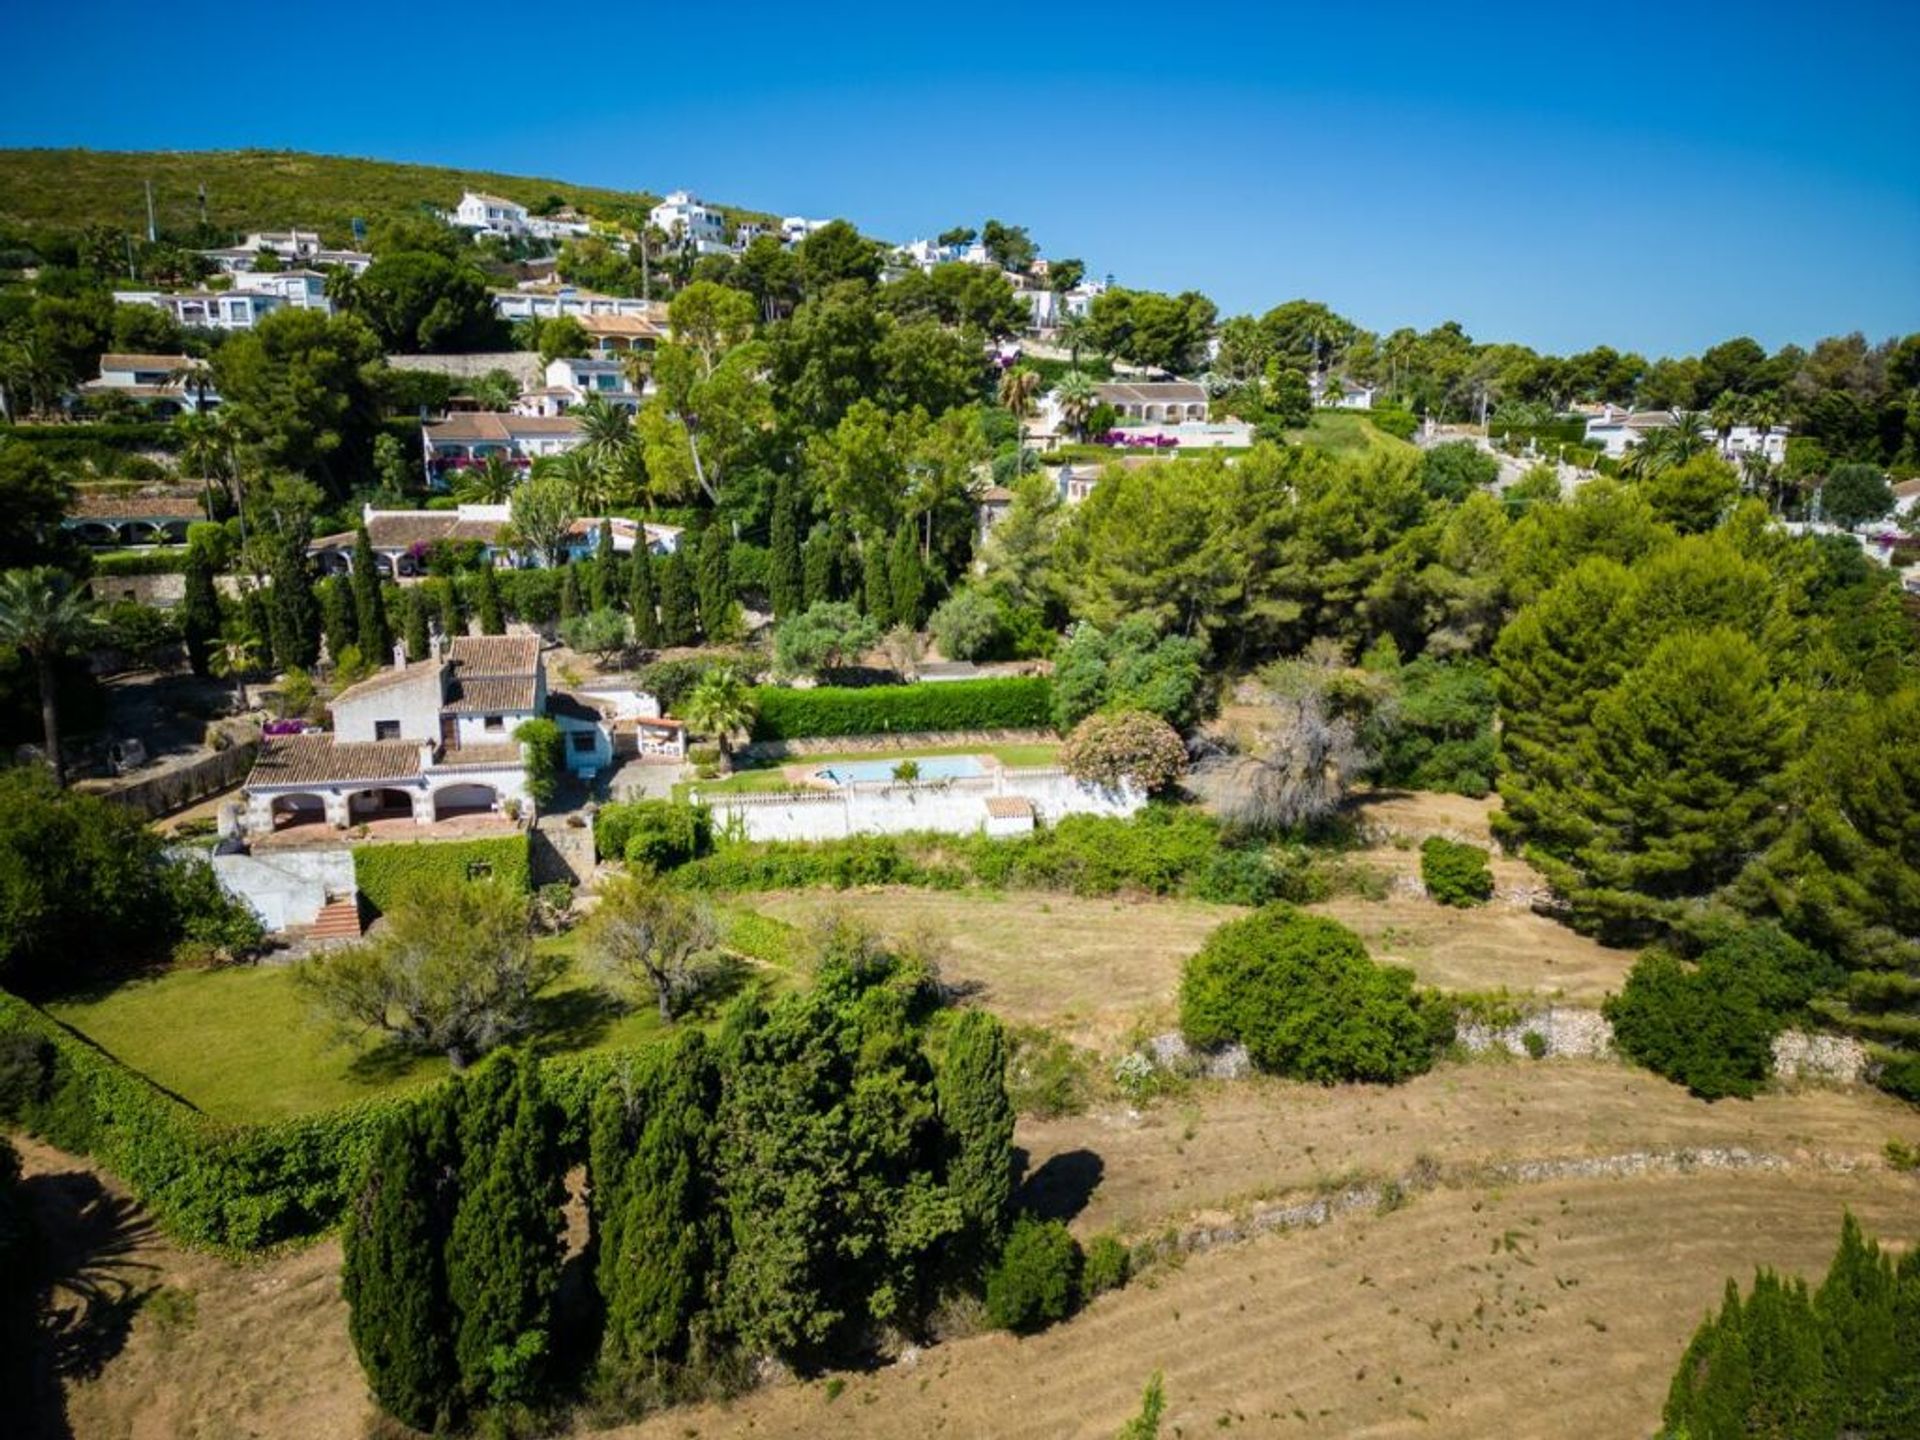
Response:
column 1570, row 1032
column 955, row 807
column 1798, row 1055
column 177, row 786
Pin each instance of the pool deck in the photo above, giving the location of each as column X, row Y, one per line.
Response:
column 806, row 774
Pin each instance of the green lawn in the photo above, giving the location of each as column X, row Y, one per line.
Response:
column 765, row 775
column 242, row 1044
column 1340, row 432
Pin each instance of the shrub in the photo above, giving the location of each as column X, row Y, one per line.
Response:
column 1037, row 1277
column 542, row 743
column 1133, row 667
column 1535, row 1044
column 1047, row 1077
column 1127, row 748
column 827, row 635
column 1260, row 875
column 657, row 834
column 1301, row 993
column 1106, row 1267
column 1022, row 703
column 384, row 872
column 966, row 626
column 1454, row 873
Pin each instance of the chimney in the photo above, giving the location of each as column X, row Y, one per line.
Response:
column 399, row 654
column 426, row 754
column 433, row 645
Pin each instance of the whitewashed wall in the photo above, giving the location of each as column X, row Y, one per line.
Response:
column 286, row 889
column 955, row 807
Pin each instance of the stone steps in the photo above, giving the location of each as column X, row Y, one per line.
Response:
column 337, row 920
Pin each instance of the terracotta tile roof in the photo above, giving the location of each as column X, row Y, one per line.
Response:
column 471, row 425
column 418, row 671
column 493, row 673
column 632, row 327
column 404, row 529
column 473, row 757
column 318, row 760
column 1124, row 392
column 1009, row 807
column 151, row 362
column 489, row 695
column 95, row 505
column 495, row 654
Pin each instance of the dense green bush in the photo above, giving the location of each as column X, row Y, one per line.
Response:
column 1841, row 1361
column 1455, row 873
column 659, row 834
column 1021, row 703
column 1107, row 1265
column 383, row 872
column 1301, row 993
column 140, row 562
column 1131, row 667
column 1437, row 731
column 1710, row 1025
column 1259, row 875
column 1036, row 1280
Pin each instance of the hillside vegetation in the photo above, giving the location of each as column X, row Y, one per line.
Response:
column 260, row 189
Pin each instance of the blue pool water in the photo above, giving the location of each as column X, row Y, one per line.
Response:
column 933, row 767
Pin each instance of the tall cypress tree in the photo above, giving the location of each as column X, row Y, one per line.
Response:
column 677, row 623
column 642, row 601
column 413, row 604
column 337, row 621
column 369, row 605
column 447, row 596
column 393, row 1273
column 492, row 622
column 818, row 582
column 602, row 587
column 200, row 612
column 259, row 623
column 504, row 1247
column 879, row 587
column 908, row 578
column 294, row 614
column 971, row 1087
column 786, row 572
column 569, row 591
column 654, row 1211
column 714, row 580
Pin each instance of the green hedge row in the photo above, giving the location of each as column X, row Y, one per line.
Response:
column 1020, row 703
column 385, row 871
column 141, row 562
column 233, row 1188
column 131, row 435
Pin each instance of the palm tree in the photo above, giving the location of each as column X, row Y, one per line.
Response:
column 30, row 371
column 1756, row 475
column 1077, row 398
column 1724, row 415
column 236, row 657
column 608, row 446
column 1018, row 386
column 45, row 617
column 202, row 447
column 1075, row 331
column 1670, row 445
column 489, row 483
column 585, row 481
column 721, row 705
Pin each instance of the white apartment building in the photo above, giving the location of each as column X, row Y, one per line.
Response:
column 690, row 221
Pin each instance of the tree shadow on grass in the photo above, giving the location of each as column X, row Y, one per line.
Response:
column 1062, row 1187
column 90, row 1289
column 385, row 1063
column 574, row 1019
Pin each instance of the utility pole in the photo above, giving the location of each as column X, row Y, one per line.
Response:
column 152, row 233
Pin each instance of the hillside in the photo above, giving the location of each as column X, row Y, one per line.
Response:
column 259, row 189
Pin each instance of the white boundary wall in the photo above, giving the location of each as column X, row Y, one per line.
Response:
column 954, row 807
column 287, row 889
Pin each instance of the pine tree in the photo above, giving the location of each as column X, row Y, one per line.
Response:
column 714, row 580
column 878, row 586
column 413, row 606
column 336, row 616
column 908, row 578
column 369, row 605
column 491, row 620
column 504, row 1248
column 971, row 1085
column 653, row 1210
column 1855, row 1306
column 570, row 603
column 293, row 612
column 603, row 584
column 677, row 623
column 200, row 612
column 786, row 578
column 642, row 601
column 447, row 597
column 393, row 1273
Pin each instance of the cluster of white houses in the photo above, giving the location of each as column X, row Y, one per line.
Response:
column 432, row 740
column 402, row 540
column 1613, row 430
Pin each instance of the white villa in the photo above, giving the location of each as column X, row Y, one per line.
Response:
column 292, row 247
column 467, row 438
column 622, row 334
column 433, row 740
column 100, row 518
column 402, row 538
column 572, row 381
column 1169, row 400
column 1347, row 395
column 490, row 215
column 690, row 221
column 795, row 228
column 1615, row 431
column 541, row 301
column 165, row 385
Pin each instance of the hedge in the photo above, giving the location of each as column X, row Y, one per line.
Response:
column 1021, row 703
column 383, row 872
column 141, row 562
column 131, row 435
column 232, row 1188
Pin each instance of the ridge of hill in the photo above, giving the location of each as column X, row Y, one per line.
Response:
column 247, row 190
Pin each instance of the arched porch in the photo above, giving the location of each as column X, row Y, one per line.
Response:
column 465, row 798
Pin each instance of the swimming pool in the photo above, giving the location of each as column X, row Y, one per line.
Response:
column 932, row 767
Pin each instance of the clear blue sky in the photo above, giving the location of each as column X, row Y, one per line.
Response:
column 1654, row 177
